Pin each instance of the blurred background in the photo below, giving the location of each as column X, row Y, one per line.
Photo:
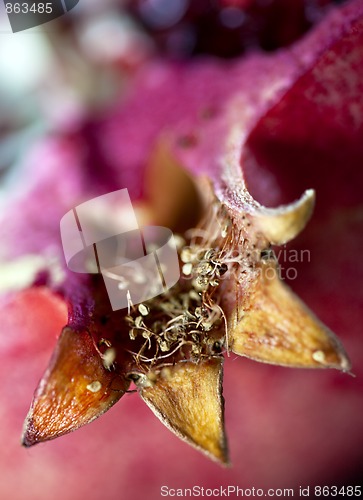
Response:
column 53, row 73
column 64, row 87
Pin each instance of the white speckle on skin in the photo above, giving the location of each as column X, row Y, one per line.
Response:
column 94, row 386
column 318, row 356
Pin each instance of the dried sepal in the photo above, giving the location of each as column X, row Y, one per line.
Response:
column 173, row 197
column 282, row 224
column 188, row 400
column 75, row 390
column 266, row 321
column 270, row 324
column 277, row 225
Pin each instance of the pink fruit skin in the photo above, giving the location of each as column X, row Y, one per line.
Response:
column 287, row 428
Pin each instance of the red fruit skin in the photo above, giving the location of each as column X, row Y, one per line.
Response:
column 286, row 428
column 314, row 129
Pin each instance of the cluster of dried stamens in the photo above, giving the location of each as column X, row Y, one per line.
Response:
column 187, row 322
